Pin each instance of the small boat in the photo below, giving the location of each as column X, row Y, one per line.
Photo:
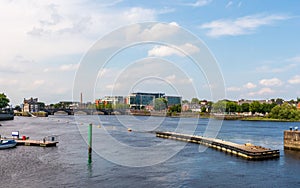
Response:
column 5, row 144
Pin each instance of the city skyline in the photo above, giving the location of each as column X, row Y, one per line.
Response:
column 254, row 43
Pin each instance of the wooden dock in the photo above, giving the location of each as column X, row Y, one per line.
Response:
column 40, row 143
column 247, row 151
column 27, row 142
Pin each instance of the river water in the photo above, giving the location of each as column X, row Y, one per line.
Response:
column 139, row 159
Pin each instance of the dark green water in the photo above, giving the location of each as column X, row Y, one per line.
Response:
column 138, row 158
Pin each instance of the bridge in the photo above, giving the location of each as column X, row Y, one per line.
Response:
column 52, row 111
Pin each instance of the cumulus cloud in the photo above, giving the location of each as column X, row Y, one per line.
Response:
column 35, row 33
column 261, row 92
column 240, row 26
column 271, row 82
column 163, row 51
column 294, row 80
column 249, row 85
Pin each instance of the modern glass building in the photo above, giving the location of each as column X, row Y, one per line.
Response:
column 173, row 100
column 141, row 100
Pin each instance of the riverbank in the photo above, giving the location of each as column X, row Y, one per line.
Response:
column 267, row 119
column 208, row 115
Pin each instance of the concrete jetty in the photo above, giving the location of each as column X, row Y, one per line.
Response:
column 247, row 151
column 292, row 139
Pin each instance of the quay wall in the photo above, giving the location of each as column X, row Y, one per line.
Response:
column 292, row 139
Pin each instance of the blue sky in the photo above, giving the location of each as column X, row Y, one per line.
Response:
column 255, row 43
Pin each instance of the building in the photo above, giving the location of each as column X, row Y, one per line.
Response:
column 141, row 100
column 111, row 100
column 173, row 100
column 32, row 105
column 147, row 100
column 298, row 106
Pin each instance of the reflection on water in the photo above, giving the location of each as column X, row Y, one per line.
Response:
column 67, row 164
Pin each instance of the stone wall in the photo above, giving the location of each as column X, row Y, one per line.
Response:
column 292, row 140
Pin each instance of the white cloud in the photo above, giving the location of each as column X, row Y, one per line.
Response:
column 200, row 3
column 294, row 59
column 158, row 31
column 42, row 29
column 295, row 80
column 249, row 85
column 271, row 82
column 163, row 51
column 261, row 92
column 240, row 26
column 36, row 33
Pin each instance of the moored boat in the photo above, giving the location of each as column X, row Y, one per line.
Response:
column 5, row 144
column 6, row 114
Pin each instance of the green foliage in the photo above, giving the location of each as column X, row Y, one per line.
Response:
column 185, row 101
column 195, row 101
column 102, row 106
column 3, row 100
column 121, row 106
column 245, row 107
column 160, row 104
column 175, row 108
column 219, row 107
column 285, row 111
column 231, row 107
column 255, row 106
column 18, row 108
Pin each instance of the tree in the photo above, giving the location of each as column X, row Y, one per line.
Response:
column 203, row 109
column 185, row 101
column 160, row 104
column 175, row 108
column 195, row 101
column 279, row 101
column 255, row 106
column 245, row 107
column 3, row 100
column 266, row 108
column 219, row 106
column 18, row 108
column 231, row 106
column 285, row 111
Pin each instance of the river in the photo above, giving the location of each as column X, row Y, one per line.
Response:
column 139, row 159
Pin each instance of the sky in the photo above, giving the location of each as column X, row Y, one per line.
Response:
column 46, row 45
